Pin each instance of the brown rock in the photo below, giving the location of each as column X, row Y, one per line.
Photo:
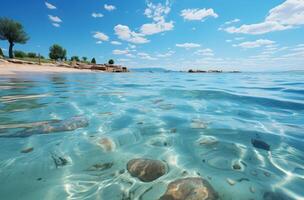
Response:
column 146, row 170
column 194, row 188
column 107, row 144
column 27, row 150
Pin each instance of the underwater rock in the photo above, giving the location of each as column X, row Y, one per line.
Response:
column 27, row 150
column 236, row 166
column 101, row 167
column 198, row 124
column 160, row 142
column 107, row 144
column 192, row 188
column 52, row 127
column 260, row 144
column 59, row 161
column 230, row 181
column 146, row 170
column 207, row 140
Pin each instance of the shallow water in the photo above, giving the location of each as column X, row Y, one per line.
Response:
column 51, row 128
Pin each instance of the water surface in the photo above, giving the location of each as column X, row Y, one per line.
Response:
column 200, row 125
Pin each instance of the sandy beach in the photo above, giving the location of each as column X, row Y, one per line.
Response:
column 15, row 69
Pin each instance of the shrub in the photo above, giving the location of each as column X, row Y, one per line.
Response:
column 76, row 58
column 20, row 54
column 111, row 62
column 1, row 53
column 31, row 55
column 84, row 59
column 57, row 52
column 93, row 61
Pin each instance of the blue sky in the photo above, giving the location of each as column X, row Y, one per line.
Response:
column 243, row 35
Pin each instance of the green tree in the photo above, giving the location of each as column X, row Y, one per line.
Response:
column 1, row 53
column 93, row 61
column 84, row 59
column 57, row 52
column 31, row 55
column 111, row 62
column 13, row 32
column 20, row 54
column 76, row 58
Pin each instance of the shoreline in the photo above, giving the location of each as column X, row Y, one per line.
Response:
column 7, row 68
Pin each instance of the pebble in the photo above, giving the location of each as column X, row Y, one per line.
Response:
column 230, row 181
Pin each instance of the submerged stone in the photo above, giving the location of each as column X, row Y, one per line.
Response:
column 198, row 124
column 146, row 170
column 260, row 144
column 59, row 161
column 101, row 167
column 194, row 188
column 53, row 126
column 207, row 140
column 27, row 150
column 107, row 144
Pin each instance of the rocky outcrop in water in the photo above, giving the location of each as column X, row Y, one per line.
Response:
column 194, row 188
column 146, row 170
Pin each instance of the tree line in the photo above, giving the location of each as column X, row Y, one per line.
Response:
column 13, row 32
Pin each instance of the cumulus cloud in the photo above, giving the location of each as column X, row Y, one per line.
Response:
column 165, row 55
column 289, row 14
column 115, row 43
column 157, row 12
column 124, row 33
column 188, row 45
column 55, row 19
column 205, row 52
column 255, row 44
column 109, row 7
column 198, row 14
column 50, row 6
column 97, row 15
column 120, row 52
column 100, row 36
column 56, row 25
column 146, row 56
column 232, row 21
column 154, row 28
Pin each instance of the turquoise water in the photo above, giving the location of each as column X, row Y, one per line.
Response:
column 70, row 136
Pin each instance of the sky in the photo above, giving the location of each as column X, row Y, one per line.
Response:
column 246, row 35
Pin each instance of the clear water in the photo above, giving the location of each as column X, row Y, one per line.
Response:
column 162, row 116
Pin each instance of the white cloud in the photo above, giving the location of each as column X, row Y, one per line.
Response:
column 97, row 15
column 101, row 36
column 157, row 12
column 146, row 56
column 165, row 55
column 115, row 43
column 50, row 6
column 198, row 14
column 232, row 21
column 188, row 45
column 289, row 14
column 55, row 19
column 205, row 52
column 153, row 28
column 124, row 33
column 56, row 25
column 120, row 52
column 228, row 41
column 109, row 7
column 132, row 46
column 254, row 44
column 99, row 42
